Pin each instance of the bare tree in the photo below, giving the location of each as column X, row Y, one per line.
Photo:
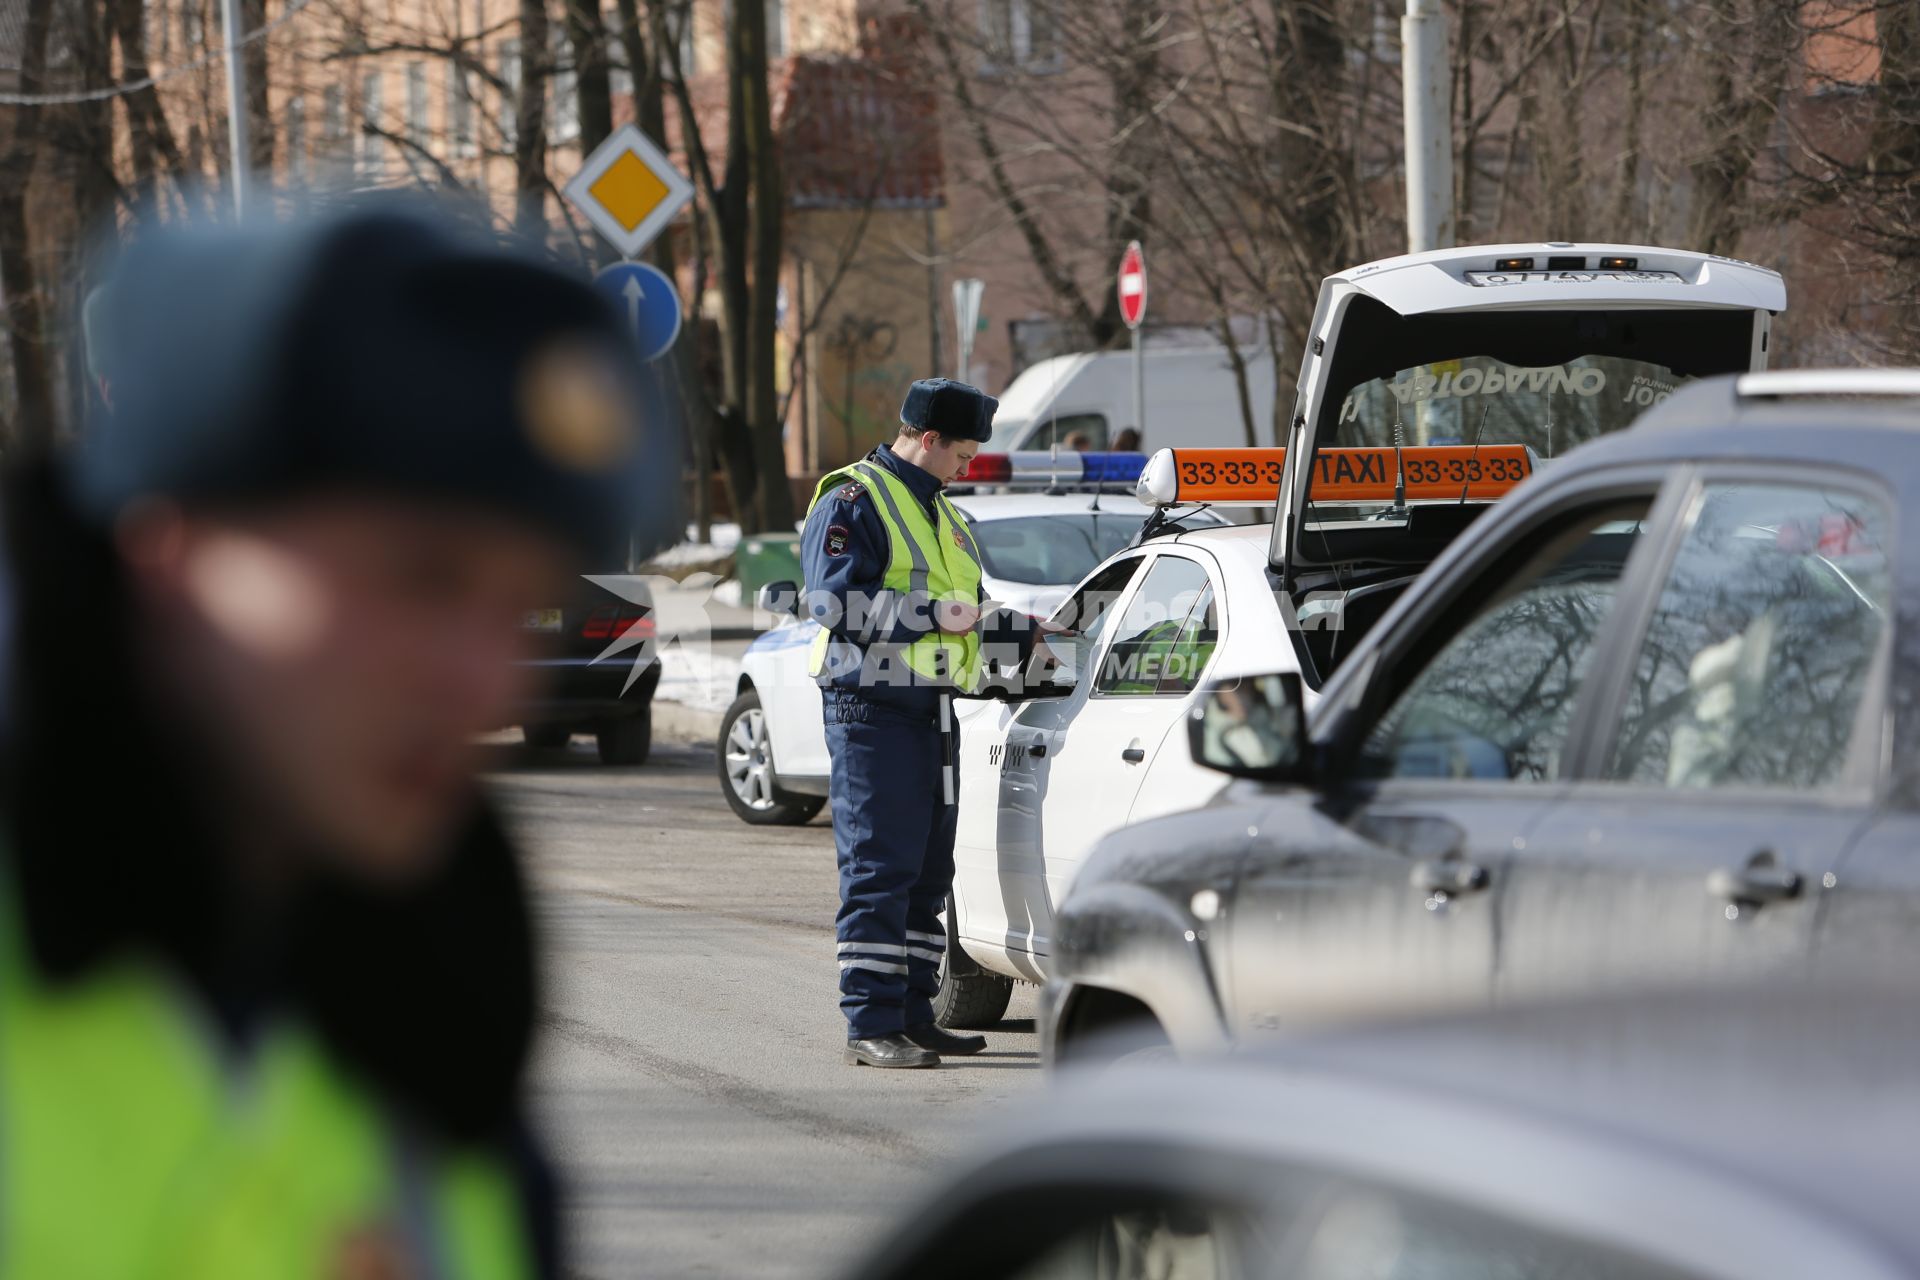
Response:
column 26, row 324
column 740, row 211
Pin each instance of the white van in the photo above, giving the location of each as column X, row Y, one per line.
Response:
column 1085, row 400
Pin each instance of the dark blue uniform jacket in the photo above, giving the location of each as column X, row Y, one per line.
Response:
column 843, row 554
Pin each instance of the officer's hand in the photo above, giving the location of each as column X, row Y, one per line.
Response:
column 956, row 617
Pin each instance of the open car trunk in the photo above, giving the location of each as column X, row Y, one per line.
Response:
column 1534, row 348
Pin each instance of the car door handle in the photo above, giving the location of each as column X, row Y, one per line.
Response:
column 1134, row 755
column 1449, row 876
column 1763, row 879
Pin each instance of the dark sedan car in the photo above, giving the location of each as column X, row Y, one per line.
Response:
column 1651, row 718
column 595, row 656
column 1715, row 1135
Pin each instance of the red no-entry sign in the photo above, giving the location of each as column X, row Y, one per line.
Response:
column 1133, row 286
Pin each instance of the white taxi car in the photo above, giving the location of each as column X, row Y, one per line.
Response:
column 1432, row 385
column 1042, row 520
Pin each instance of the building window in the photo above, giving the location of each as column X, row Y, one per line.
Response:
column 1019, row 33
column 510, row 90
column 460, row 111
column 563, row 115
column 373, row 148
column 193, row 26
column 333, row 117
column 417, row 103
column 689, row 64
column 296, row 122
column 776, row 28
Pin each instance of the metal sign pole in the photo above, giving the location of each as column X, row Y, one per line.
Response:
column 1425, row 86
column 1139, row 387
column 239, row 149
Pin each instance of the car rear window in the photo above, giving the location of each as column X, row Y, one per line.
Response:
column 1053, row 549
column 1483, row 400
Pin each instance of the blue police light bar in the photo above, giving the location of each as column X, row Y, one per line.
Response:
column 1040, row 469
column 1112, row 468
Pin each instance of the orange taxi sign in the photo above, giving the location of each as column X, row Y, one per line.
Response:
column 1457, row 473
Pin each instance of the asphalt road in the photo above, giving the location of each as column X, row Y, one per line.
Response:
column 689, row 1079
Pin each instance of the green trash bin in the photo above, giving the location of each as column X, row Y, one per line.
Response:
column 766, row 557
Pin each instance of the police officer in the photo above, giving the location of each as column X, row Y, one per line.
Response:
column 266, row 970
column 894, row 578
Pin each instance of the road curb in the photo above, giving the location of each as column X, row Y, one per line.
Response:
column 677, row 722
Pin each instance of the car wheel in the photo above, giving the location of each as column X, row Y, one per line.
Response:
column 746, row 770
column 626, row 741
column 546, row 737
column 968, row 997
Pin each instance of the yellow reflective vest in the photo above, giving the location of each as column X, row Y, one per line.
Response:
column 133, row 1145
column 939, row 560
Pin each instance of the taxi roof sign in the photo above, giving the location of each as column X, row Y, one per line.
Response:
column 1415, row 473
column 629, row 190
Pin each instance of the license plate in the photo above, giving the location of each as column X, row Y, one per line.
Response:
column 1482, row 279
column 542, row 620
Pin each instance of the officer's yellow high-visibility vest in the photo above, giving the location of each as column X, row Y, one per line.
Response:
column 941, row 560
column 130, row 1146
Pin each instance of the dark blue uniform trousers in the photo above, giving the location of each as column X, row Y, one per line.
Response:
column 893, row 831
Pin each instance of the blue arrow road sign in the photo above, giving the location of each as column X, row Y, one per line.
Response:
column 647, row 298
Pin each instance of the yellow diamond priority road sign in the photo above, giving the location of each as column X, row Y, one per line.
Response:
column 629, row 190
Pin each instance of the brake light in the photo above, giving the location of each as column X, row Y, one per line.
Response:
column 615, row 624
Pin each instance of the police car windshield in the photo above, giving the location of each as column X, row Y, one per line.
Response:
column 1481, row 400
column 1052, row 549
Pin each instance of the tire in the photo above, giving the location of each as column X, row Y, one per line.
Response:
column 626, row 741
column 745, row 762
column 971, row 998
column 546, row 737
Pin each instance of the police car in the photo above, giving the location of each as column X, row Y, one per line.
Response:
column 1432, row 386
column 1042, row 521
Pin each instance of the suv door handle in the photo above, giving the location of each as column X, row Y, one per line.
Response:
column 1449, row 876
column 1134, row 755
column 1762, row 879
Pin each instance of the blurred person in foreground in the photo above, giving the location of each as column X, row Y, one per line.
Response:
column 266, row 965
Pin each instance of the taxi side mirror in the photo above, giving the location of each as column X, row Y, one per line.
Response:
column 782, row 599
column 1253, row 727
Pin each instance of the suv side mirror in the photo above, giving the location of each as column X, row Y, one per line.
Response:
column 1253, row 727
column 778, row 598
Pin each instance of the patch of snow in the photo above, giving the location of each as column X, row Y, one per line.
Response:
column 695, row 676
column 725, row 537
column 691, row 553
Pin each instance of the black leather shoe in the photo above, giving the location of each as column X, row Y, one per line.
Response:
column 893, row 1050
column 932, row 1036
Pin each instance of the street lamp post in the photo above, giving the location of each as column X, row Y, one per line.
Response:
column 238, row 147
column 1427, row 112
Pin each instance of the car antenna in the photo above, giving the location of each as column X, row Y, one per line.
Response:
column 1399, row 468
column 1478, row 432
column 1053, row 469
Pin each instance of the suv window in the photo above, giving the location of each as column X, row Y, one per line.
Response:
column 1082, row 431
column 1088, row 609
column 1147, row 642
column 1758, row 652
column 1192, row 646
column 1497, row 698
